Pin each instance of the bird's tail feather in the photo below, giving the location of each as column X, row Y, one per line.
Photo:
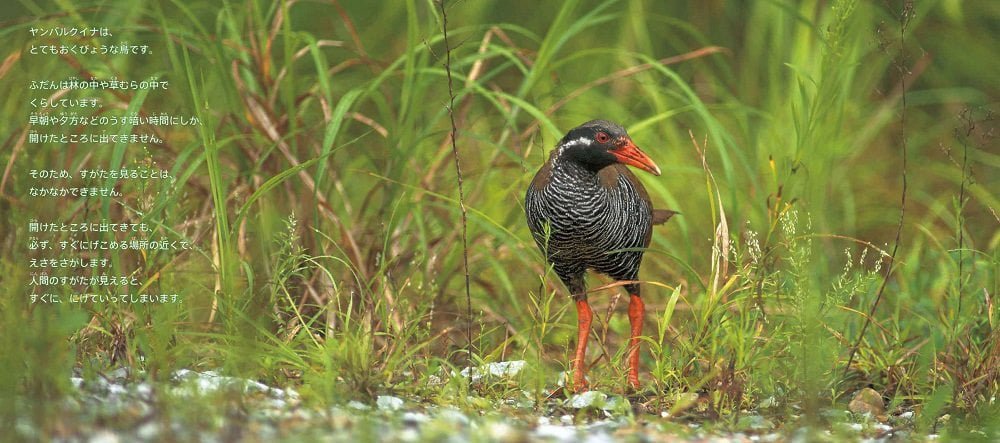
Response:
column 660, row 216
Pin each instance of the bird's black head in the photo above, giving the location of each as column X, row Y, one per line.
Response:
column 600, row 143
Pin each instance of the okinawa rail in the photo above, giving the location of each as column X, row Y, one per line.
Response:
column 586, row 210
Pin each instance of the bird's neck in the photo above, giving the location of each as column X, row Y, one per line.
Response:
column 574, row 173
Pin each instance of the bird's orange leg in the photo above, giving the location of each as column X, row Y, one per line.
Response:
column 584, row 316
column 636, row 309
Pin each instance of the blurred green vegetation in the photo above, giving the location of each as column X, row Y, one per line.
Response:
column 320, row 194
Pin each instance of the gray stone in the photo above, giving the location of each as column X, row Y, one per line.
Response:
column 389, row 403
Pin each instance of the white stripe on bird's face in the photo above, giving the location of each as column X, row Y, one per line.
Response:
column 582, row 141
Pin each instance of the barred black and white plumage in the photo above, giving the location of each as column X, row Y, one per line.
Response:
column 591, row 225
column 586, row 211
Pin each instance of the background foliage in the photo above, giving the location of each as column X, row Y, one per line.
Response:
column 321, row 195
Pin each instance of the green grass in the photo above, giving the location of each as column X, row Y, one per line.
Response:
column 320, row 198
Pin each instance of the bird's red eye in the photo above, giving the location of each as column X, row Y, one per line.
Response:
column 602, row 137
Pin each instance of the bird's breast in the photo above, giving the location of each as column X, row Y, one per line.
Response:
column 588, row 214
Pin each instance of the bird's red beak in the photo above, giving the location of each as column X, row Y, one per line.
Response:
column 630, row 154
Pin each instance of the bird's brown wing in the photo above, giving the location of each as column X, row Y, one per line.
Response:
column 544, row 175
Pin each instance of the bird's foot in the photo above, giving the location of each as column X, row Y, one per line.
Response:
column 556, row 393
column 633, row 385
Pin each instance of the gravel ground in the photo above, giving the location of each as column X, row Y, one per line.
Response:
column 210, row 407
